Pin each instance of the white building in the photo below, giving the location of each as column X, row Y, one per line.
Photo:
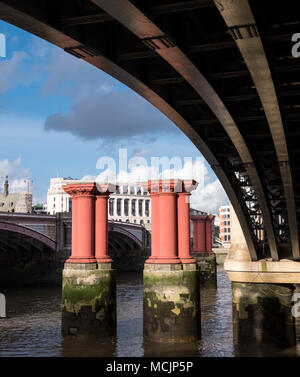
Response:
column 130, row 204
column 225, row 225
column 57, row 199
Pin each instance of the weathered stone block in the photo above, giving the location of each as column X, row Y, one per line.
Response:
column 88, row 300
column 171, row 303
column 207, row 267
column 262, row 315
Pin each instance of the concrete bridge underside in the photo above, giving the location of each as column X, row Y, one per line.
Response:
column 25, row 259
column 221, row 70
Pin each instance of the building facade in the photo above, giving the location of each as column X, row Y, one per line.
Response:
column 225, row 225
column 57, row 199
column 15, row 202
column 131, row 203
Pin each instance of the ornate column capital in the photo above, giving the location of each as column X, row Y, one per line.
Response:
column 80, row 189
column 169, row 185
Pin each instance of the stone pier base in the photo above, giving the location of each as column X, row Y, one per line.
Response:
column 88, row 299
column 207, row 266
column 262, row 315
column 171, row 303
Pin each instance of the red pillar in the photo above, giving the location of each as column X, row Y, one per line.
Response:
column 199, row 233
column 170, row 235
column 83, row 227
column 154, row 227
column 168, row 250
column 74, row 227
column 183, row 223
column 208, row 231
column 101, row 228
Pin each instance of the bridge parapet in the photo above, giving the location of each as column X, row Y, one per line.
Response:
column 43, row 224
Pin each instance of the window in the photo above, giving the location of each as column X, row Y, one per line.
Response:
column 140, row 208
column 147, row 208
column 125, row 189
column 133, row 207
column 126, row 207
column 119, row 207
column 131, row 190
column 111, row 207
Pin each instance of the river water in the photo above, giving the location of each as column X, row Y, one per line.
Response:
column 33, row 325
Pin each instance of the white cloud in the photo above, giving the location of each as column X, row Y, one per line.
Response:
column 208, row 196
column 11, row 74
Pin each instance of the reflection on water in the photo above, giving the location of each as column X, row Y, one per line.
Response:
column 33, row 325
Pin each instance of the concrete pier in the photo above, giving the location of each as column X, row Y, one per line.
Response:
column 89, row 299
column 262, row 315
column 171, row 303
column 262, row 296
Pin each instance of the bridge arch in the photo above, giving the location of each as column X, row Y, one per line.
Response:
column 253, row 193
column 9, row 227
column 127, row 250
column 118, row 229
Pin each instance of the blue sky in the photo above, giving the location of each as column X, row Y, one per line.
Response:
column 59, row 115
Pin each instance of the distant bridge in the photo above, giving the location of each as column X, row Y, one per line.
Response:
column 55, row 231
column 34, row 247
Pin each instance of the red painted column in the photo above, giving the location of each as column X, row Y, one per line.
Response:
column 154, row 227
column 208, row 231
column 199, row 233
column 183, row 224
column 164, row 245
column 74, row 227
column 168, row 249
column 101, row 228
column 83, row 228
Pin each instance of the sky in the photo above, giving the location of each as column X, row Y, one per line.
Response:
column 60, row 116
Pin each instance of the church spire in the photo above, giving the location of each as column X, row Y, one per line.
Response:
column 6, row 186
